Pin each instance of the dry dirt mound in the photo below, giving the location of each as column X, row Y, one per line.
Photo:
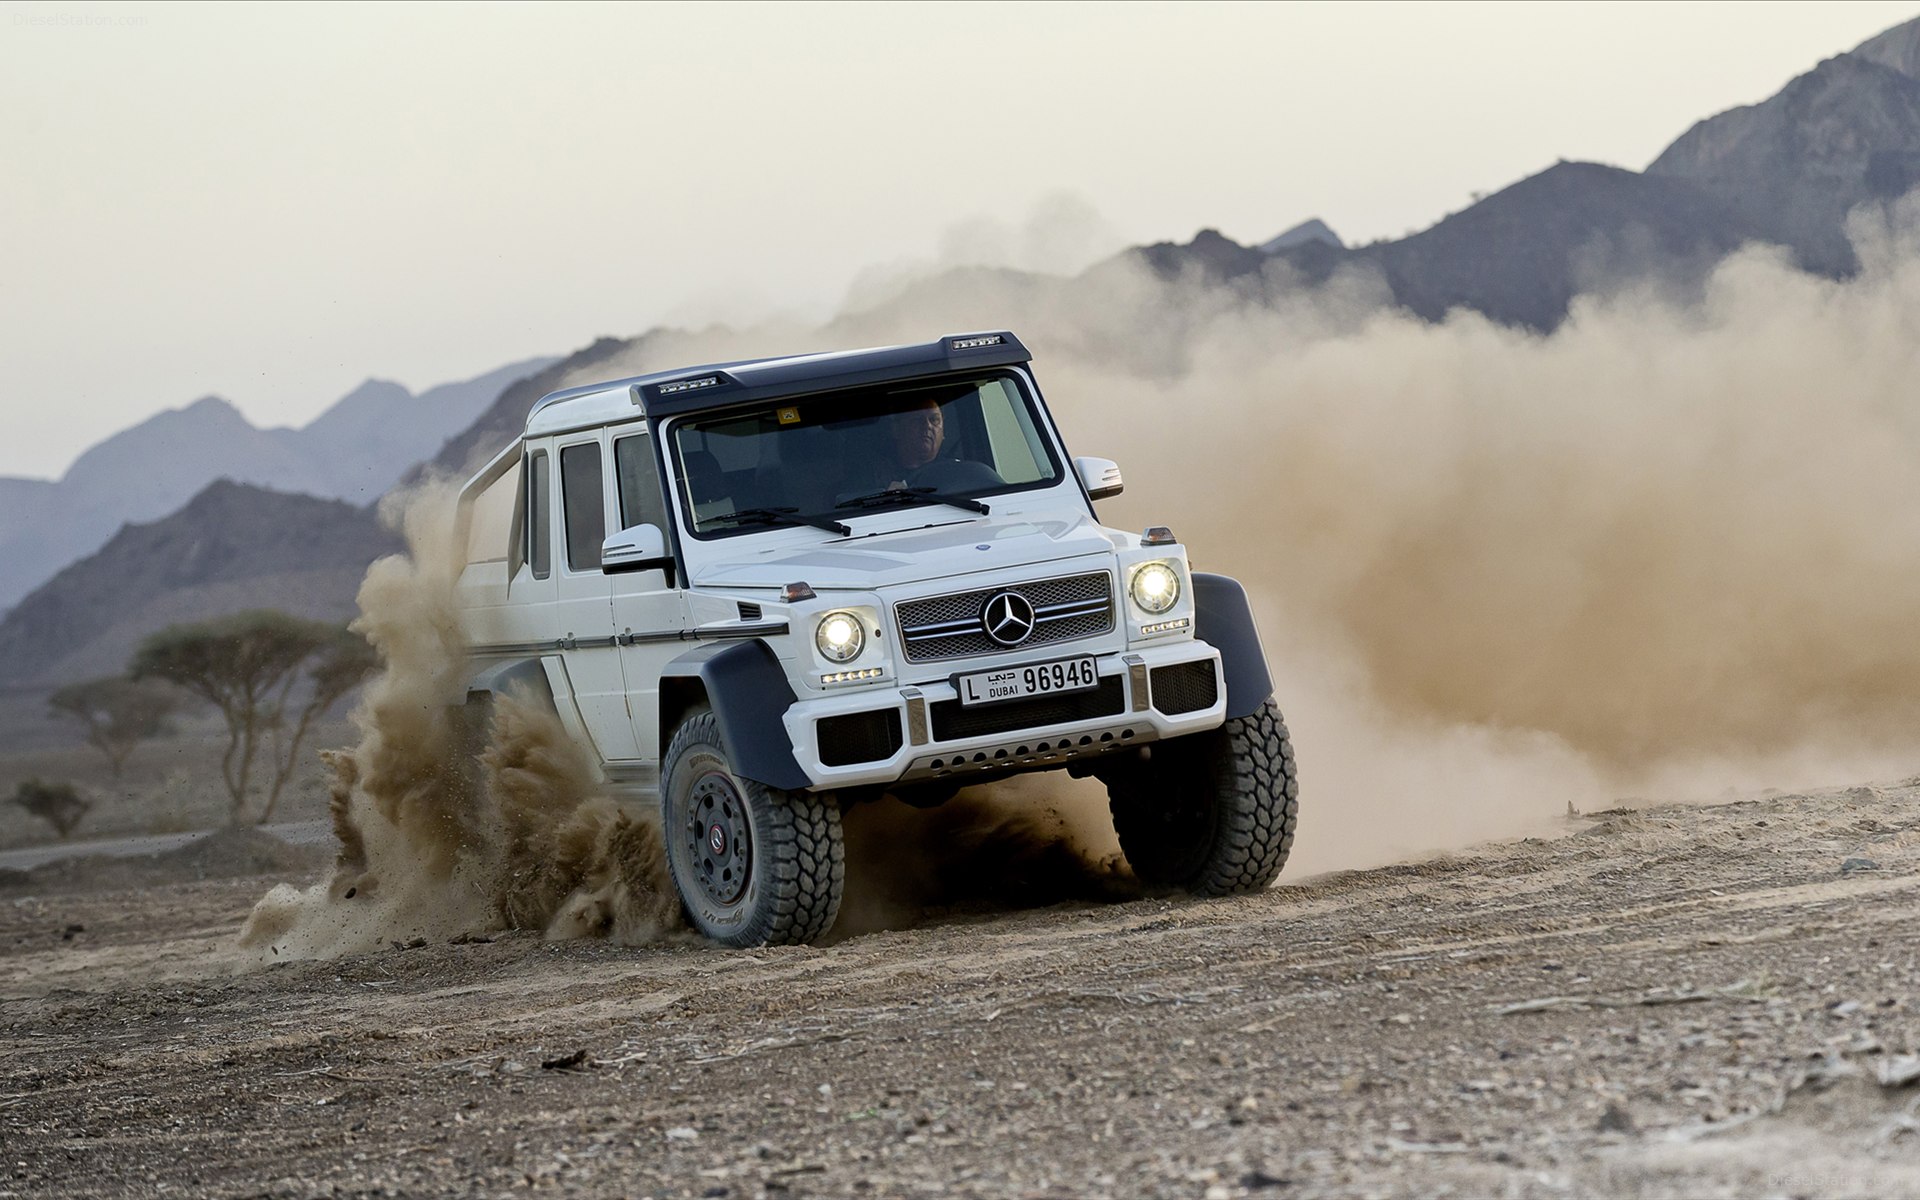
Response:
column 235, row 852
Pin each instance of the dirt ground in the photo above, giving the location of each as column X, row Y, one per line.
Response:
column 1712, row 1001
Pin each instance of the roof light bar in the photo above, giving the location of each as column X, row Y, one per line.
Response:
column 970, row 343
column 689, row 385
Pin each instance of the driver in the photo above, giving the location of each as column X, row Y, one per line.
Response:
column 914, row 435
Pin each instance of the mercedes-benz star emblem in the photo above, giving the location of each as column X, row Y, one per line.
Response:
column 1008, row 618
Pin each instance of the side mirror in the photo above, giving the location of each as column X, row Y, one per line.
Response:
column 1100, row 476
column 642, row 548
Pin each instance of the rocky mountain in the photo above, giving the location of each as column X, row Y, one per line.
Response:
column 355, row 450
column 376, row 433
column 1845, row 133
column 232, row 547
column 1898, row 48
column 502, row 420
column 236, row 545
column 1312, row 230
column 1786, row 171
column 1520, row 255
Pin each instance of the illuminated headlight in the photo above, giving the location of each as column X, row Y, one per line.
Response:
column 1156, row 587
column 840, row 637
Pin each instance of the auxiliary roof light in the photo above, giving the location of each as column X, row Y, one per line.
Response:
column 689, row 385
column 970, row 343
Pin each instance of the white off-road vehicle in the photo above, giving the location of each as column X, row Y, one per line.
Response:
column 764, row 592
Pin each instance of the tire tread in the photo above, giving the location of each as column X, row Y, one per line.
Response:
column 801, row 849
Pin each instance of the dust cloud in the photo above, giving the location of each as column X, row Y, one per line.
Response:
column 1669, row 550
column 452, row 821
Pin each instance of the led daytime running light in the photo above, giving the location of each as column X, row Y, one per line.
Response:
column 859, row 676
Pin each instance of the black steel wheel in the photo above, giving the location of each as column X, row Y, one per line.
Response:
column 1210, row 813
column 753, row 864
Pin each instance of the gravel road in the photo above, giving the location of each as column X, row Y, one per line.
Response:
column 1684, row 1001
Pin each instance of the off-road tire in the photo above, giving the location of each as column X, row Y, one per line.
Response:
column 1210, row 813
column 795, row 866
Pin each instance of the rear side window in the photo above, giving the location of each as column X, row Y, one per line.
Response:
column 640, row 500
column 583, row 491
column 539, row 543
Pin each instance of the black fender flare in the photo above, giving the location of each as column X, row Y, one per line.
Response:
column 1223, row 619
column 523, row 677
column 748, row 691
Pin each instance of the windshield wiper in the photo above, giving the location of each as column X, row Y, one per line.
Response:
column 918, row 495
column 782, row 516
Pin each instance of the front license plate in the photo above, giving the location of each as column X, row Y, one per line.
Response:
column 1034, row 679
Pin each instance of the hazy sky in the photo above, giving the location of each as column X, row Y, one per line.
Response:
column 272, row 203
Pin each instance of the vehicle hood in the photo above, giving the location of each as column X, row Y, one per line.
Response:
column 912, row 555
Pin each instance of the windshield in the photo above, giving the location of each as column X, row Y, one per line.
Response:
column 828, row 458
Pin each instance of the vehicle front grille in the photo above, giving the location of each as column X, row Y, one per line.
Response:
column 938, row 627
column 953, row 720
column 858, row 737
column 1184, row 687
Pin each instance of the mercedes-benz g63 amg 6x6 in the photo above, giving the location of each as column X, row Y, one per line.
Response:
column 762, row 592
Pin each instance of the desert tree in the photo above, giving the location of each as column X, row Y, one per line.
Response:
column 58, row 804
column 341, row 661
column 250, row 666
column 118, row 713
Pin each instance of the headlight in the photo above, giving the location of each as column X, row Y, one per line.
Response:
column 840, row 637
column 1156, row 587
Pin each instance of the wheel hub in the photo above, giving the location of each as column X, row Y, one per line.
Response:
column 719, row 838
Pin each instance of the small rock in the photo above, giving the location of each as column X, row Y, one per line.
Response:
column 683, row 1133
column 1616, row 1120
column 1854, row 865
column 1845, row 1008
column 1898, row 1071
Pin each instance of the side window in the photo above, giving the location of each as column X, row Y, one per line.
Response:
column 583, row 491
column 640, row 499
column 539, row 541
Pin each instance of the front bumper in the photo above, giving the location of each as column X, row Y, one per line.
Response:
column 914, row 732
